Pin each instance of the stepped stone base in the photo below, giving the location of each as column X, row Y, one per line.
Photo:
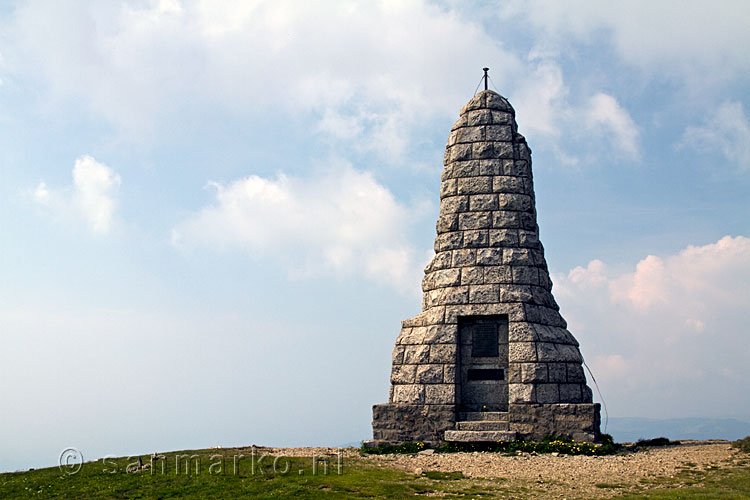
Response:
column 534, row 422
column 483, row 415
column 399, row 423
column 482, row 425
column 480, row 436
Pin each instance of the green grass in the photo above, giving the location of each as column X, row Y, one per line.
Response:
column 443, row 476
column 219, row 475
column 729, row 483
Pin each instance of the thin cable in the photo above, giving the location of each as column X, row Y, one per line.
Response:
column 493, row 83
column 606, row 413
column 478, row 84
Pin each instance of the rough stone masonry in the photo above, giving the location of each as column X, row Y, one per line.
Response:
column 489, row 358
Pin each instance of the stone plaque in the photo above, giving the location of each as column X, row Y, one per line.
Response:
column 484, row 344
column 480, row 374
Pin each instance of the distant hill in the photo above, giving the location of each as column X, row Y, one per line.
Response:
column 629, row 429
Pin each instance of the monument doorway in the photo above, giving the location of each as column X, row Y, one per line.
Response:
column 483, row 363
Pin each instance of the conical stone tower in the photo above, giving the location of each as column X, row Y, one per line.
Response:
column 489, row 358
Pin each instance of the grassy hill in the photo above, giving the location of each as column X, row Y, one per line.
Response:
column 212, row 473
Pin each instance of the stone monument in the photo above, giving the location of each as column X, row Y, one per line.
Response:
column 489, row 358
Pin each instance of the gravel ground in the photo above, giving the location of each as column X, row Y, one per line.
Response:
column 555, row 476
column 565, row 476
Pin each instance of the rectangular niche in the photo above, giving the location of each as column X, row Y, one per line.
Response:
column 483, row 363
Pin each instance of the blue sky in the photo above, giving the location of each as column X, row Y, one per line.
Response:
column 214, row 215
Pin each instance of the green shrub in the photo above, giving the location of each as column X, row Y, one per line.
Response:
column 660, row 441
column 409, row 447
column 742, row 444
column 551, row 444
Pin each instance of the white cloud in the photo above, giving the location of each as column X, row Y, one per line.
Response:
column 662, row 337
column 612, row 366
column 592, row 275
column 727, row 131
column 541, row 103
column 690, row 42
column 341, row 221
column 96, row 186
column 92, row 196
column 41, row 194
column 604, row 114
column 546, row 110
column 375, row 70
column 369, row 75
column 340, row 126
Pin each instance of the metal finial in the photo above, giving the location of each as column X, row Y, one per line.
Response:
column 485, row 77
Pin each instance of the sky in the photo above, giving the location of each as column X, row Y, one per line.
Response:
column 214, row 215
